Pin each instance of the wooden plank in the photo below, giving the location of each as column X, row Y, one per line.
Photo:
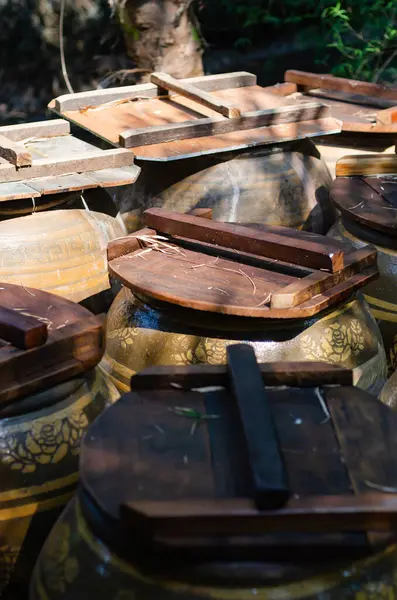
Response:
column 198, row 518
column 208, row 83
column 126, row 245
column 282, row 89
column 367, row 101
column 23, row 131
column 114, row 177
column 296, row 374
column 15, row 153
column 269, row 478
column 16, row 191
column 287, row 245
column 313, row 80
column 366, row 164
column 318, row 282
column 88, row 161
column 166, row 82
column 205, row 127
column 63, row 183
column 387, row 116
column 20, row 330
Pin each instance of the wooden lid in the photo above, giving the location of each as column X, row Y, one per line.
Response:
column 365, row 190
column 361, row 107
column 264, row 272
column 171, row 119
column 201, row 458
column 44, row 340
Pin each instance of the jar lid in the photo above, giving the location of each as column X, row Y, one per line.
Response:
column 265, row 271
column 242, row 457
column 44, row 340
column 365, row 190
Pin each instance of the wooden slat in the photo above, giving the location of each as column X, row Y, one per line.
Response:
column 294, row 374
column 185, row 518
column 270, row 485
column 369, row 102
column 313, row 80
column 89, row 161
column 293, row 247
column 208, row 83
column 366, row 164
column 20, row 330
column 282, row 89
column 114, row 177
column 15, row 153
column 204, row 127
column 127, row 244
column 318, row 282
column 40, row 129
column 62, row 183
column 16, row 191
column 166, row 82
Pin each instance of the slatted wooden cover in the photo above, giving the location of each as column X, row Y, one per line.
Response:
column 44, row 340
column 265, row 272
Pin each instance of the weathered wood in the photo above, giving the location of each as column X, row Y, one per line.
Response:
column 319, row 282
column 21, row 330
column 366, row 164
column 204, row 127
column 297, row 374
column 387, row 116
column 266, row 464
column 89, row 161
column 185, row 518
column 297, row 248
column 282, row 89
column 16, row 191
column 62, row 183
column 23, row 131
column 166, row 82
column 208, row 83
column 313, row 80
column 355, row 99
column 15, row 153
column 125, row 245
column 114, row 177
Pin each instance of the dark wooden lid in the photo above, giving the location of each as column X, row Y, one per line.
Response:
column 201, row 458
column 44, row 340
column 265, row 272
column 365, row 191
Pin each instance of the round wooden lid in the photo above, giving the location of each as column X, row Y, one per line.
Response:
column 44, row 340
column 370, row 201
column 266, row 272
column 206, row 461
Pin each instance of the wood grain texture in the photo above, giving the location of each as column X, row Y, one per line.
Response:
column 280, row 244
column 297, row 374
column 367, row 164
column 313, row 80
column 62, row 339
column 14, row 153
column 207, row 83
column 24, row 131
column 159, row 134
column 127, row 244
column 166, row 82
column 20, row 330
column 387, row 116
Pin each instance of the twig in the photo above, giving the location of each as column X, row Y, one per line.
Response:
column 249, row 279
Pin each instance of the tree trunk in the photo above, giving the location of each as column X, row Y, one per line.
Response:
column 160, row 36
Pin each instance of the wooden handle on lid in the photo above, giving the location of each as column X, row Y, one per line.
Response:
column 278, row 243
column 20, row 330
column 189, row 91
column 266, row 462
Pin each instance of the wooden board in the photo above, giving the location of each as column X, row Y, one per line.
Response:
column 59, row 162
column 210, row 267
column 133, row 119
column 359, row 105
column 74, row 342
column 366, row 164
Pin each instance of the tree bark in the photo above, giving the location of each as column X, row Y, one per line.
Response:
column 160, row 36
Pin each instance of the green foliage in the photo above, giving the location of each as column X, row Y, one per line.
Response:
column 362, row 33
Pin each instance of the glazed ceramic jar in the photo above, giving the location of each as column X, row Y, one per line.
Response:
column 48, row 400
column 159, row 318
column 368, row 216
column 140, row 460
